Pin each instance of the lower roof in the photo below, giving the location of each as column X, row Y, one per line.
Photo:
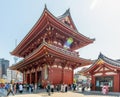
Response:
column 46, row 48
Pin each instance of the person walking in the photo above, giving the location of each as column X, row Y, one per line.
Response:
column 14, row 88
column 105, row 89
column 17, row 88
column 30, row 88
column 52, row 88
column 20, row 88
column 83, row 87
column 63, row 87
column 58, row 87
column 10, row 89
column 66, row 87
column 48, row 88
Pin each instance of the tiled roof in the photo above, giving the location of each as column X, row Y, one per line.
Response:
column 108, row 60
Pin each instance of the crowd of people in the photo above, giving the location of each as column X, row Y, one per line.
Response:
column 50, row 88
column 64, row 87
column 9, row 88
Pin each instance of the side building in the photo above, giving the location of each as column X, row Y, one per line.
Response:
column 4, row 64
column 104, row 71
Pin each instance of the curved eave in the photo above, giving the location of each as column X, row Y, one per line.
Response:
column 46, row 48
column 92, row 67
column 27, row 59
column 30, row 33
column 77, row 60
column 83, row 45
column 103, row 60
column 67, row 13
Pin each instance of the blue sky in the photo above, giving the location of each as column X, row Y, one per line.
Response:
column 99, row 19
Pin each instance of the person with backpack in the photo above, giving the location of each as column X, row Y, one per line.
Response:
column 6, row 86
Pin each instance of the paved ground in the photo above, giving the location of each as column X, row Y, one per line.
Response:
column 68, row 94
column 42, row 93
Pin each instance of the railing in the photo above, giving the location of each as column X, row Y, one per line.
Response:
column 62, row 50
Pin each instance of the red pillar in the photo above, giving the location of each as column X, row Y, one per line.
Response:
column 118, row 76
column 50, row 74
column 30, row 77
column 36, row 76
column 116, row 83
column 62, row 75
column 119, row 82
column 36, row 79
column 72, row 76
column 23, row 77
column 93, row 82
column 26, row 78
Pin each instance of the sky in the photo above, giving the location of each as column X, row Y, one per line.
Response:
column 99, row 19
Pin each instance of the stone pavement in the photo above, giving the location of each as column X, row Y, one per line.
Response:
column 68, row 94
column 42, row 93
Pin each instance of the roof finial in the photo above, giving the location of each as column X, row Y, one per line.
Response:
column 100, row 55
column 45, row 6
column 68, row 10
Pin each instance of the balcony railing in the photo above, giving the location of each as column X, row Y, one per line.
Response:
column 64, row 51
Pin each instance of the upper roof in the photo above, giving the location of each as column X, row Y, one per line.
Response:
column 42, row 22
